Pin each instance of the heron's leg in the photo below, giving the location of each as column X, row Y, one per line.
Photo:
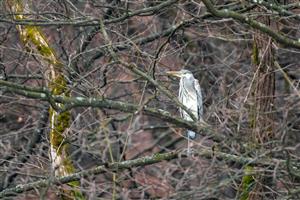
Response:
column 188, row 147
column 190, row 144
column 191, row 135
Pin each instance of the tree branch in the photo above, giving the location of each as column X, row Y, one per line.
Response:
column 147, row 160
column 252, row 23
column 137, row 71
column 88, row 21
column 72, row 102
column 278, row 8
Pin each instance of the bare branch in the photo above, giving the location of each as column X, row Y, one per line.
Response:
column 252, row 23
column 143, row 161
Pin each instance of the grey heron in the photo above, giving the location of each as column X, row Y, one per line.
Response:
column 190, row 96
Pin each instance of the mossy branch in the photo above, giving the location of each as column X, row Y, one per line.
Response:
column 281, row 9
column 35, row 41
column 143, row 161
column 252, row 23
column 72, row 102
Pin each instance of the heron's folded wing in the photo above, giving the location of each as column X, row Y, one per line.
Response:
column 181, row 99
column 199, row 98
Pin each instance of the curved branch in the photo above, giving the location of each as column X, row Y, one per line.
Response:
column 252, row 23
column 280, row 9
column 92, row 21
column 143, row 161
column 72, row 102
column 100, row 169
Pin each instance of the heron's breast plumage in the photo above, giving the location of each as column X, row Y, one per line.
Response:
column 188, row 97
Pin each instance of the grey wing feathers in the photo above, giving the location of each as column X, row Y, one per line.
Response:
column 180, row 98
column 199, row 99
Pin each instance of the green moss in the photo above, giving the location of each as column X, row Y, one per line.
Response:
column 35, row 36
column 255, row 54
column 58, row 86
column 73, row 194
column 59, row 123
column 247, row 183
column 67, row 163
column 35, row 41
column 16, row 6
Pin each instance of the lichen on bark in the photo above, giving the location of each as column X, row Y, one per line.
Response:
column 35, row 41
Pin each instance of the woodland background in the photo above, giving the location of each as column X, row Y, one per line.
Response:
column 245, row 55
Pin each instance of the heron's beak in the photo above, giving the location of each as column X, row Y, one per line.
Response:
column 174, row 73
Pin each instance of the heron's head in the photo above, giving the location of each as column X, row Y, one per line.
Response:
column 182, row 73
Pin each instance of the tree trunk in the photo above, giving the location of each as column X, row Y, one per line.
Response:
column 263, row 91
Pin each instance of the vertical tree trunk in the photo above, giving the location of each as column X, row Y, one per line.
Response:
column 262, row 119
column 263, row 89
column 35, row 41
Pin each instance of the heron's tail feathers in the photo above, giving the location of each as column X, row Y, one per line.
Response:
column 191, row 134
